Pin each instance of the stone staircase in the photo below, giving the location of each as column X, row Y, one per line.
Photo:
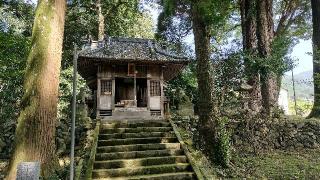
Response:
column 140, row 150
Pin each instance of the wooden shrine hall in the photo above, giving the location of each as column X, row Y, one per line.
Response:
column 128, row 75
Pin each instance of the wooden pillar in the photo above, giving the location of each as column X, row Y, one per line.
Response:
column 113, row 75
column 162, row 92
column 135, row 88
column 98, row 96
column 148, row 87
column 95, row 103
column 113, row 99
column 148, row 93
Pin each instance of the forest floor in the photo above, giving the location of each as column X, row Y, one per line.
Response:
column 278, row 164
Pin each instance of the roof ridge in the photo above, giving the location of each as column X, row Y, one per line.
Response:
column 128, row 39
column 131, row 48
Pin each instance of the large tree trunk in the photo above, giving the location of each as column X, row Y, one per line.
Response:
column 35, row 133
column 316, row 57
column 265, row 35
column 100, row 21
column 248, row 23
column 207, row 134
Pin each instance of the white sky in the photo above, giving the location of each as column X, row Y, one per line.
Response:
column 304, row 60
column 300, row 51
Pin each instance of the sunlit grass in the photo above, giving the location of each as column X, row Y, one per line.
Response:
column 303, row 107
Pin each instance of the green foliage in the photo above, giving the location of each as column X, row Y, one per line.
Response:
column 122, row 18
column 13, row 55
column 169, row 7
column 299, row 25
column 8, row 22
column 13, row 62
column 223, row 143
column 80, row 21
column 215, row 12
column 185, row 83
column 64, row 110
column 142, row 28
column 228, row 78
column 16, row 17
column 278, row 62
column 174, row 22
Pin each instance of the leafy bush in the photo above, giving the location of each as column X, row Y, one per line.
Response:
column 64, row 110
column 223, row 143
column 13, row 56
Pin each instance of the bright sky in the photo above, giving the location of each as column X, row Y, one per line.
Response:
column 300, row 51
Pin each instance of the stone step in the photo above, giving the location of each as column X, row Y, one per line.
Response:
column 128, row 114
column 137, row 147
column 135, row 130
column 115, row 142
column 148, row 170
column 136, row 135
column 138, row 154
column 164, row 176
column 136, row 124
column 131, row 163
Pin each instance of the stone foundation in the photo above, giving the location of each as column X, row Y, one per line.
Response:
column 276, row 135
column 257, row 136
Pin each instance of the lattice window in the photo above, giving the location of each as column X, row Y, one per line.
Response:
column 106, row 87
column 155, row 89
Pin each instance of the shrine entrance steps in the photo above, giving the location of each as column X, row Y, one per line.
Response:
column 140, row 150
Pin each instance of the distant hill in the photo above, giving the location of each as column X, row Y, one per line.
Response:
column 303, row 84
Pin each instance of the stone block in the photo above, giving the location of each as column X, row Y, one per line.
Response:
column 28, row 171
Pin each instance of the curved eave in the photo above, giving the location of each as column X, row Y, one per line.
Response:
column 134, row 60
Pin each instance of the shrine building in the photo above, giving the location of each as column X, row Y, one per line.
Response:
column 128, row 76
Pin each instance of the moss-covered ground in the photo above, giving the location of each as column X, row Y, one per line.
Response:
column 279, row 164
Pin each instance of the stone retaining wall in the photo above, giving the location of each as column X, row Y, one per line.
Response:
column 254, row 136
column 280, row 135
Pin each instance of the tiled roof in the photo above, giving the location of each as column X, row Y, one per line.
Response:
column 129, row 49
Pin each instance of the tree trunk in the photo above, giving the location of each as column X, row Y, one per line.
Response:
column 315, row 4
column 35, row 133
column 100, row 21
column 248, row 23
column 265, row 35
column 206, row 105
